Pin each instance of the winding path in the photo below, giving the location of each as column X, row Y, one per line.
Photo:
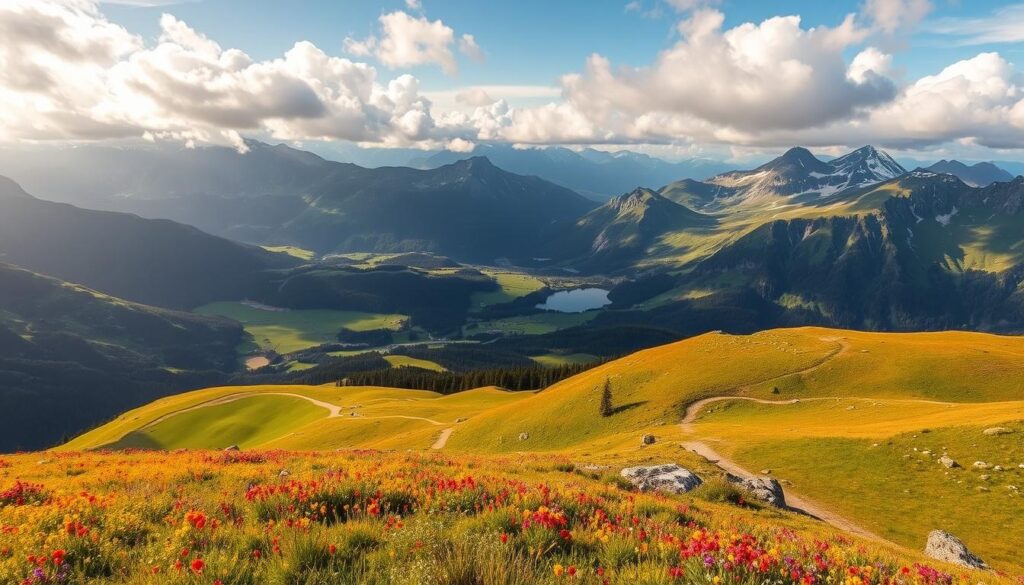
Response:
column 442, row 440
column 334, row 410
column 794, row 501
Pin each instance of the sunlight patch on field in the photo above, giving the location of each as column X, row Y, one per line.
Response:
column 285, row 331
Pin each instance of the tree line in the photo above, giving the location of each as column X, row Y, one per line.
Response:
column 516, row 378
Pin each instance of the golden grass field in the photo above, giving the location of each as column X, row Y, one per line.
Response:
column 855, row 414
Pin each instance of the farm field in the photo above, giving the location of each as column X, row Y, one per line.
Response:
column 512, row 285
column 285, row 331
column 400, row 361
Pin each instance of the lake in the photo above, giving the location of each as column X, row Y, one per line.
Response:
column 576, row 301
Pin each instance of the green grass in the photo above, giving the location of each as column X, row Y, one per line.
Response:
column 553, row 360
column 292, row 330
column 536, row 324
column 511, row 285
column 300, row 253
column 246, row 422
column 401, row 361
column 877, row 481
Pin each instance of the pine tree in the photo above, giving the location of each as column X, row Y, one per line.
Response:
column 606, row 399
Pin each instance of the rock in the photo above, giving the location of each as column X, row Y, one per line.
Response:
column 997, row 468
column 983, row 477
column 283, row 473
column 766, row 489
column 997, row 431
column 980, row 465
column 524, row 436
column 232, row 448
column 948, row 461
column 647, row 440
column 766, row 472
column 944, row 546
column 668, row 477
column 461, row 419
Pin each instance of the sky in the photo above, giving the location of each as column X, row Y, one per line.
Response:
column 727, row 79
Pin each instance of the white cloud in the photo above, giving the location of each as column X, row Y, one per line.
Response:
column 752, row 77
column 474, row 96
column 414, row 4
column 1005, row 25
column 410, row 41
column 891, row 16
column 469, row 48
column 71, row 74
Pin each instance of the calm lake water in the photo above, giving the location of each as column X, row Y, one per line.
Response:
column 576, row 301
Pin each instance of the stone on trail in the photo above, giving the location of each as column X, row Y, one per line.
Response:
column 668, row 477
column 948, row 461
column 647, row 440
column 766, row 489
column 944, row 546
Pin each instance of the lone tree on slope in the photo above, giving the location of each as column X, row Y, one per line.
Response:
column 606, row 399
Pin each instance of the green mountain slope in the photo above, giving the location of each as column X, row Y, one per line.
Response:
column 157, row 262
column 71, row 357
column 626, row 229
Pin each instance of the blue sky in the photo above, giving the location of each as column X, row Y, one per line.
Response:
column 721, row 78
column 527, row 41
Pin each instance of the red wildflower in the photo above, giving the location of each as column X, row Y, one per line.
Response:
column 197, row 566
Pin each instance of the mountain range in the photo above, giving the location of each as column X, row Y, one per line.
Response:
column 980, row 174
column 594, row 173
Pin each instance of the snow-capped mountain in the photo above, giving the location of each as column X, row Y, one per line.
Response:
column 799, row 173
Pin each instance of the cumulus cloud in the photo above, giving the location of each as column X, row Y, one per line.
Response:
column 891, row 16
column 469, row 48
column 410, row 41
column 752, row 77
column 70, row 74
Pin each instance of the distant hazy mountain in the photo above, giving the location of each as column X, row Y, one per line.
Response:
column 799, row 173
column 469, row 210
column 596, row 174
column 71, row 358
column 977, row 175
column 157, row 262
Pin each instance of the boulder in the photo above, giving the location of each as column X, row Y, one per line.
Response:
column 981, row 465
column 283, row 473
column 991, row 432
column 647, row 440
column 944, row 546
column 524, row 436
column 766, row 489
column 668, row 478
column 948, row 461
column 232, row 448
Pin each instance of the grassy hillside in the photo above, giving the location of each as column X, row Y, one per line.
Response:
column 259, row 517
column 71, row 357
column 856, row 422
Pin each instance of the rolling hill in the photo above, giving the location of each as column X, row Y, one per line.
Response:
column 155, row 262
column 71, row 357
column 883, row 407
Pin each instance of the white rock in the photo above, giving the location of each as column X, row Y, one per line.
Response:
column 946, row 547
column 668, row 477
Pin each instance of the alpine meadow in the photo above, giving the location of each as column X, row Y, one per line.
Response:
column 439, row 292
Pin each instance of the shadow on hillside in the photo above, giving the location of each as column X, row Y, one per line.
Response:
column 629, row 406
